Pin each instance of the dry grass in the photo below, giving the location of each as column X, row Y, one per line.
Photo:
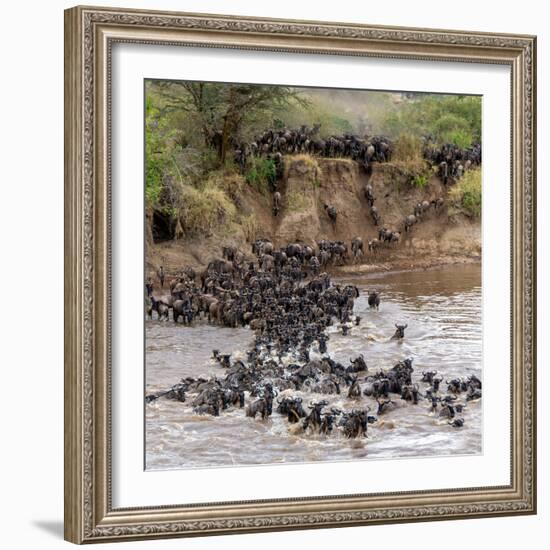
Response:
column 407, row 148
column 230, row 182
column 205, row 210
column 296, row 201
column 250, row 227
column 407, row 160
column 310, row 162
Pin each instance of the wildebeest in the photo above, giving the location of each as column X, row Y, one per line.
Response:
column 276, row 203
column 395, row 237
column 262, row 406
column 357, row 248
column 369, row 194
column 176, row 392
column 355, row 423
column 375, row 215
column 434, row 401
column 457, row 423
column 410, row 392
column 385, row 406
column 428, row 376
column 374, row 299
column 374, row 245
column 160, row 307
column 211, row 408
column 354, row 391
column 447, row 410
column 313, row 419
column 399, row 332
column 327, row 421
column 292, row 408
column 436, row 381
column 384, row 234
column 358, row 364
column 473, row 394
column 438, row 203
column 332, row 213
column 409, row 222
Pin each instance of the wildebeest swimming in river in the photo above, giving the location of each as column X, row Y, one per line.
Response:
column 292, row 408
column 374, row 300
column 399, row 332
column 313, row 420
column 289, row 304
column 262, row 406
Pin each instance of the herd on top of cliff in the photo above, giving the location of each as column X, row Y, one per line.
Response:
column 305, row 140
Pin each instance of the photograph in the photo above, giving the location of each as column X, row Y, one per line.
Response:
column 313, row 274
column 300, row 264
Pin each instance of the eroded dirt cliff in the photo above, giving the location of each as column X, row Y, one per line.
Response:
column 444, row 236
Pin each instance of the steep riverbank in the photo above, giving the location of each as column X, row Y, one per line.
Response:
column 444, row 236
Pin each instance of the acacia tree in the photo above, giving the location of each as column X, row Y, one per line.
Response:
column 221, row 111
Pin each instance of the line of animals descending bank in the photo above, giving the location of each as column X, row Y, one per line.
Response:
column 386, row 236
column 290, row 308
column 451, row 161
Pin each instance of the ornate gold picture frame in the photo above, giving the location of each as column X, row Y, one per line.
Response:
column 90, row 34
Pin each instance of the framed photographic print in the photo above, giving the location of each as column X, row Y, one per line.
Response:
column 300, row 274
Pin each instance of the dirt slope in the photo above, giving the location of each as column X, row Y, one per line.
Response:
column 308, row 184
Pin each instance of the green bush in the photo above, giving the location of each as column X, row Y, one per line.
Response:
column 261, row 174
column 419, row 180
column 461, row 138
column 466, row 193
column 447, row 118
column 155, row 154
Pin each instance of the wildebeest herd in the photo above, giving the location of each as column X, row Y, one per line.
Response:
column 290, row 305
column 274, row 143
column 451, row 160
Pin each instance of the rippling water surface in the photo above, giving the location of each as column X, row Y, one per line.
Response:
column 443, row 310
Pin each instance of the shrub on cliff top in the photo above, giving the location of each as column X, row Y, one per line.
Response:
column 407, row 147
column 466, row 193
column 408, row 159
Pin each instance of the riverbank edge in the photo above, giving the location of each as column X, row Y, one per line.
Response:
column 404, row 265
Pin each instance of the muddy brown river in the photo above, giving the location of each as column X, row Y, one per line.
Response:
column 443, row 310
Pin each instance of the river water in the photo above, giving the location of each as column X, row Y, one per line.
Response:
column 442, row 308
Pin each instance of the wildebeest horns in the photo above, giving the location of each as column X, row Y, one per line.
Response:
column 314, row 404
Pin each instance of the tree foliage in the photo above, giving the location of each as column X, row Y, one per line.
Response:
column 221, row 112
column 447, row 118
